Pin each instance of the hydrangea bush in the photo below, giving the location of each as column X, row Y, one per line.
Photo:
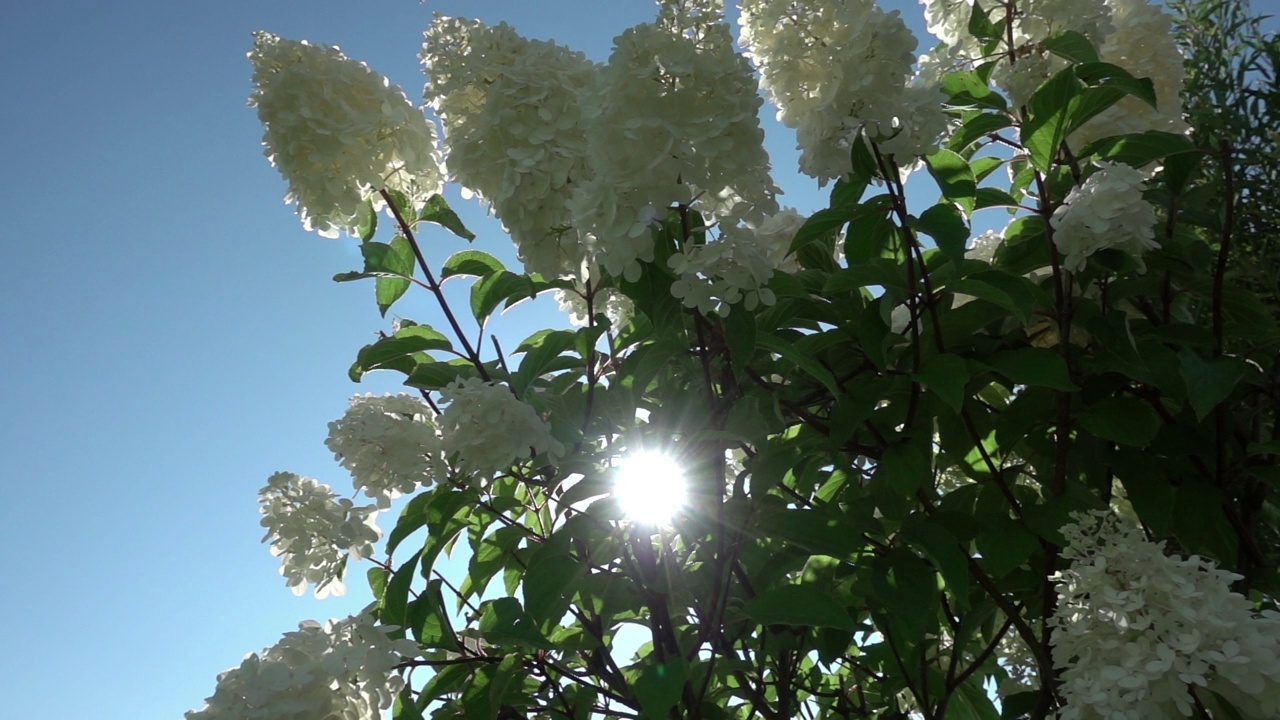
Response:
column 934, row 470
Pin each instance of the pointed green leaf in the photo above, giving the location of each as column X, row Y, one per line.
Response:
column 396, row 352
column 438, row 211
column 1209, row 383
column 1034, row 366
column 1127, row 421
column 954, row 177
column 470, row 262
column 659, row 687
column 945, row 375
column 798, row 606
column 1073, row 46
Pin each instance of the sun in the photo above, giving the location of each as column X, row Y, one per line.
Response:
column 650, row 487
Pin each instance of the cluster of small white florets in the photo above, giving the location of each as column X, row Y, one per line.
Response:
column 314, row 532
column 616, row 306
column 1143, row 44
column 672, row 120
column 390, row 444
column 338, row 132
column 836, row 67
column 1138, row 631
column 1106, row 211
column 511, row 109
column 714, row 276
column 343, row 670
column 774, row 236
column 486, row 428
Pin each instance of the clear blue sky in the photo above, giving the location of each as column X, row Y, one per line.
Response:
column 169, row 335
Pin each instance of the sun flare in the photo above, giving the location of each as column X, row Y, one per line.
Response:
column 650, row 487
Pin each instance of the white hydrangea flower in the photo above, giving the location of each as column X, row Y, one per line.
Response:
column 1142, row 43
column 338, row 132
column 673, row 120
column 774, row 237
column 719, row 273
column 1137, row 631
column 486, row 429
column 512, row 114
column 390, row 445
column 835, row 67
column 1106, row 211
column 314, row 532
column 616, row 306
column 344, row 669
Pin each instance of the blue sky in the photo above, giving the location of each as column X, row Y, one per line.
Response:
column 170, row 336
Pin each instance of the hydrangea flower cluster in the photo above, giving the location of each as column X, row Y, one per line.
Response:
column 774, row 237
column 343, row 669
column 314, row 532
column 835, row 68
column 1106, row 211
column 673, row 119
column 1137, row 632
column 616, row 306
column 1143, row 44
column 715, row 275
column 390, row 445
column 338, row 132
column 511, row 109
column 486, row 428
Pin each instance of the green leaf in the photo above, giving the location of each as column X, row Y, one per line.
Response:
column 798, row 606
column 945, row 375
column 470, row 262
column 412, row 518
column 659, row 687
column 980, row 25
column 903, row 469
column 809, row 365
column 820, row 226
column 994, row 197
column 405, row 708
column 1140, row 149
column 976, row 128
column 540, row 349
column 1050, row 117
column 498, row 288
column 1004, row 545
column 391, row 611
column 954, row 178
column 968, row 88
column 429, row 619
column 504, row 622
column 378, row 578
column 1200, row 524
column 1209, row 383
column 818, row 532
column 942, row 547
column 1109, row 75
column 548, row 582
column 1073, row 46
column 395, row 352
column 1014, row 293
column 438, row 211
column 1123, row 420
column 367, row 225
column 1034, row 366
column 391, row 266
column 865, row 168
column 945, row 224
column 435, row 375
